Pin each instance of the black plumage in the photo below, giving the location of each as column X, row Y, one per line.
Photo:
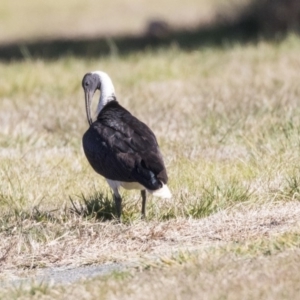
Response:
column 121, row 148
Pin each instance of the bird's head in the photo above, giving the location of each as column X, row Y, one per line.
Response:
column 93, row 81
column 90, row 83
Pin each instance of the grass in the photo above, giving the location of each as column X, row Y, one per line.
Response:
column 247, row 270
column 227, row 120
column 97, row 207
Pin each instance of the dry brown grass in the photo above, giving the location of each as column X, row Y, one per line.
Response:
column 249, row 268
column 223, row 277
column 31, row 245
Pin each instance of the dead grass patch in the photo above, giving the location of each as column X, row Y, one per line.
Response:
column 227, row 277
column 213, row 275
column 75, row 241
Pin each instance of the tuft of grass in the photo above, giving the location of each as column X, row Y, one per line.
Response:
column 97, row 207
column 291, row 188
column 217, row 197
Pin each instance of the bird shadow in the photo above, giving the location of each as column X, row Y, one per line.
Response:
column 97, row 206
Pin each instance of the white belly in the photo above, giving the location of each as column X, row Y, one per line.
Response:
column 131, row 186
column 163, row 192
column 114, row 184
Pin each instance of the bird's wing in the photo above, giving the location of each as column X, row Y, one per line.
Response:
column 131, row 148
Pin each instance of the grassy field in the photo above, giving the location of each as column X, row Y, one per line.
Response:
column 227, row 120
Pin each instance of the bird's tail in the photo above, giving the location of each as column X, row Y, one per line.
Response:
column 163, row 192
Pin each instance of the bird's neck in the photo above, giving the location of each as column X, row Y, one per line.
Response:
column 107, row 91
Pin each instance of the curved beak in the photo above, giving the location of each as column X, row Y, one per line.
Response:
column 88, row 100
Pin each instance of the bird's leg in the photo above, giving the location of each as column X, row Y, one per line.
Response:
column 143, row 193
column 118, row 203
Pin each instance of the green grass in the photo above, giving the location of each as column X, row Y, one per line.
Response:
column 97, row 207
column 227, row 121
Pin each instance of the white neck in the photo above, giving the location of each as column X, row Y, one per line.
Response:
column 107, row 92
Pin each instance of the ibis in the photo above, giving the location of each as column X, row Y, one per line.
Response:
column 120, row 147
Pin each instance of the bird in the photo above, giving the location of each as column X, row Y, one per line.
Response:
column 120, row 147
